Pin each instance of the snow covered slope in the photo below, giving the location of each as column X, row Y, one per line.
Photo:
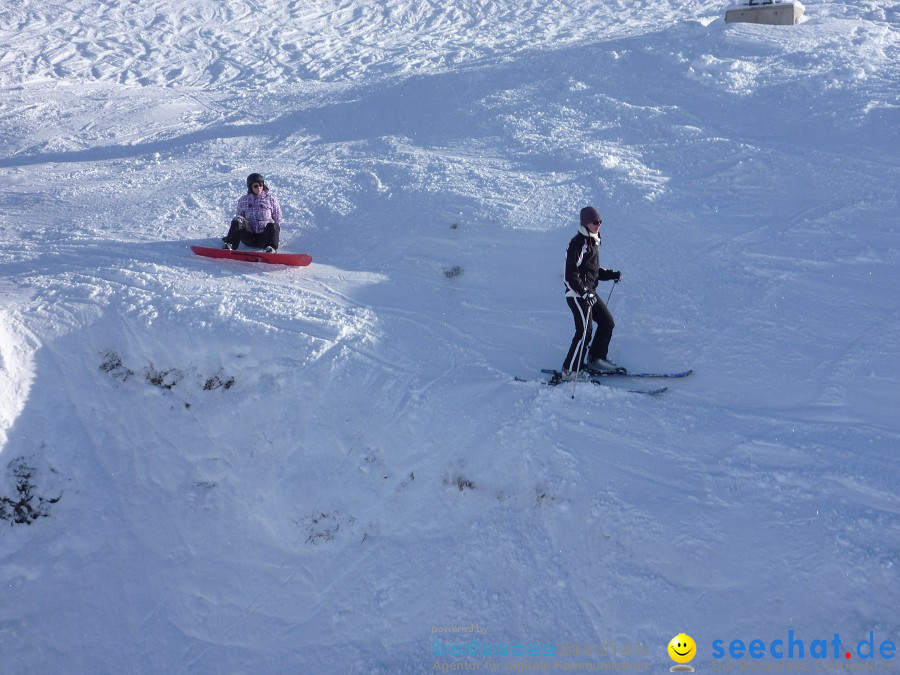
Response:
column 210, row 466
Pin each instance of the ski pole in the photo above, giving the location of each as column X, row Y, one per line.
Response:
column 581, row 348
column 615, row 283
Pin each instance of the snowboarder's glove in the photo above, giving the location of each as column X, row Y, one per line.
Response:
column 617, row 276
column 590, row 298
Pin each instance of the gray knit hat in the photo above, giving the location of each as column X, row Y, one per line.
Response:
column 589, row 214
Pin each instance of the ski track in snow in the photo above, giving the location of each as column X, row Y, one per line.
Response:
column 305, row 470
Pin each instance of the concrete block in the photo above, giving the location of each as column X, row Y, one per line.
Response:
column 775, row 13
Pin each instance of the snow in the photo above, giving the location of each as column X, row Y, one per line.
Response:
column 268, row 469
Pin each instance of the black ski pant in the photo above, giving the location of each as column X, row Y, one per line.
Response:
column 240, row 233
column 599, row 347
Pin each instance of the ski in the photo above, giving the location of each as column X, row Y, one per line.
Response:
column 606, row 373
column 556, row 379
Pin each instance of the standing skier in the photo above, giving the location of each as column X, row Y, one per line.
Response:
column 257, row 222
column 583, row 272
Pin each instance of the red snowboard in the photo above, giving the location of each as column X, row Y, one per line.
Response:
column 294, row 259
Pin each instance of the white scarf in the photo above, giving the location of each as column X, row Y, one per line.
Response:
column 592, row 235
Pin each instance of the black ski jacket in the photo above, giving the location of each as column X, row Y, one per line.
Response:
column 583, row 270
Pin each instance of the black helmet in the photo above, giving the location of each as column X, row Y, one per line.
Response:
column 255, row 178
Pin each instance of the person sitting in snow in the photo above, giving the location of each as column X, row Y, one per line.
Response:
column 257, row 222
column 582, row 274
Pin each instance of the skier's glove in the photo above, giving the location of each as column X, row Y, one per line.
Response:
column 590, row 298
column 617, row 276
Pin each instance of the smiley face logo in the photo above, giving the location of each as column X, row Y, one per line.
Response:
column 682, row 648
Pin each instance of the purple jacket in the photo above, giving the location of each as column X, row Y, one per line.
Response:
column 259, row 210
